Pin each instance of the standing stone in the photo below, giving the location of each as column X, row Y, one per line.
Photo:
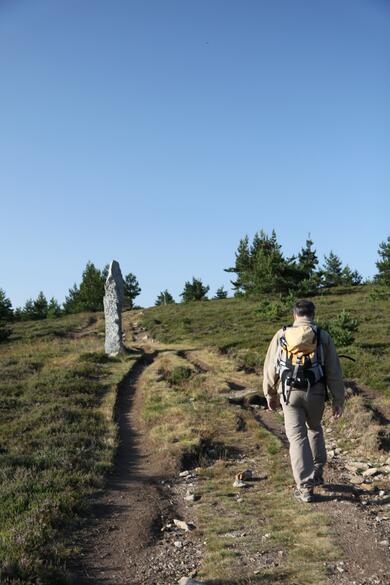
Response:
column 113, row 301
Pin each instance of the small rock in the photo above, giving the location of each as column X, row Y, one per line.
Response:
column 191, row 497
column 185, row 473
column 187, row 526
column 384, row 543
column 239, row 484
column 340, row 569
column 356, row 480
column 385, row 469
column 178, row 544
column 244, row 475
column 382, row 493
column 188, row 581
column 370, row 472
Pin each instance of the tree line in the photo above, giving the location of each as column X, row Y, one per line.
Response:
column 260, row 266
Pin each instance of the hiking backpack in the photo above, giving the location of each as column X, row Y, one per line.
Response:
column 300, row 358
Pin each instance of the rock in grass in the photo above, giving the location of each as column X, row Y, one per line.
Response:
column 239, row 484
column 244, row 475
column 187, row 526
column 189, row 581
column 113, row 301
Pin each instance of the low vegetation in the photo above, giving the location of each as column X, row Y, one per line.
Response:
column 57, row 439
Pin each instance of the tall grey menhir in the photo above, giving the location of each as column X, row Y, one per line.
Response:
column 113, row 302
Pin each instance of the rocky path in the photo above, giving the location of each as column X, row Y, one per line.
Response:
column 125, row 543
column 132, row 539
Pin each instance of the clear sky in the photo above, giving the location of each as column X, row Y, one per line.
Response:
column 159, row 132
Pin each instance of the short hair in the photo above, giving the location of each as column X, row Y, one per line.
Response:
column 304, row 308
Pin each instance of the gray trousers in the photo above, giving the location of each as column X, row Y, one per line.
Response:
column 302, row 420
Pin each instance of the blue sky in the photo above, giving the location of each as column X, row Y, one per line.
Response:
column 159, row 133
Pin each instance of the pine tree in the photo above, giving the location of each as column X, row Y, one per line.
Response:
column 53, row 309
column 383, row 265
column 28, row 310
column 221, row 293
column 40, row 306
column 350, row 277
column 194, row 291
column 71, row 300
column 89, row 295
column 307, row 258
column 332, row 270
column 131, row 290
column 164, row 298
column 6, row 312
column 242, row 266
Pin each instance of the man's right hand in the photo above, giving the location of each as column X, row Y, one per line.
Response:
column 272, row 402
column 337, row 411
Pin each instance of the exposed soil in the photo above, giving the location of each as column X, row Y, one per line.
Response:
column 123, row 543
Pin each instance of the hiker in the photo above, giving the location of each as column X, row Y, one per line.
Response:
column 300, row 367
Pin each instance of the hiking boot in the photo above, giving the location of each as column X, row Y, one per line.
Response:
column 318, row 477
column 304, row 495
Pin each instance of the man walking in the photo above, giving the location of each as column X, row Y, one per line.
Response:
column 301, row 364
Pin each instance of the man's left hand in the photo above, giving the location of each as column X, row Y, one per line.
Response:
column 272, row 402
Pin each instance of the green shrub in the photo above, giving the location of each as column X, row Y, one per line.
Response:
column 341, row 328
column 179, row 375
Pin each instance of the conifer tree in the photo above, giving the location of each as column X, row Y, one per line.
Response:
column 350, row 277
column 383, row 264
column 131, row 290
column 53, row 309
column 221, row 293
column 6, row 312
column 332, row 270
column 164, row 298
column 194, row 291
column 40, row 306
column 307, row 258
column 89, row 295
column 242, row 266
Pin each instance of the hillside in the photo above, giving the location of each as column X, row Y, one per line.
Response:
column 243, row 328
column 189, row 417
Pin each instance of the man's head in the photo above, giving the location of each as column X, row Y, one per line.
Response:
column 304, row 308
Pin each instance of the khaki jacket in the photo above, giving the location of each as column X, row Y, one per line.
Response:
column 333, row 372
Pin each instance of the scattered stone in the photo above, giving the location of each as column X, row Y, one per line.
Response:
column 239, row 484
column 370, row 472
column 384, row 543
column 385, row 469
column 187, row 526
column 189, row 581
column 356, row 480
column 244, row 475
column 185, row 473
column 356, row 466
column 113, row 301
column 191, row 497
column 178, row 544
column 382, row 493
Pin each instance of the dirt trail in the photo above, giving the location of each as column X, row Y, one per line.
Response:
column 123, row 544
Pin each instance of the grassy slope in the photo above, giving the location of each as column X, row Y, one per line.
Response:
column 57, row 392
column 236, row 326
